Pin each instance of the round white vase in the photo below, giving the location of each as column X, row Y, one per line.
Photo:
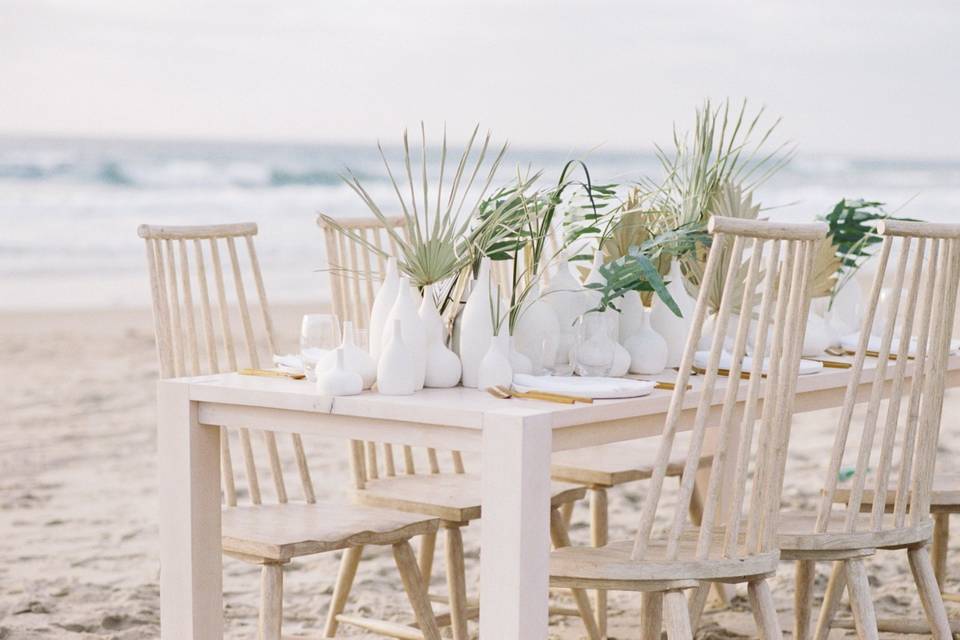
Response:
column 382, row 303
column 566, row 296
column 537, row 334
column 476, row 326
column 647, row 348
column 495, row 369
column 338, row 380
column 355, row 359
column 519, row 362
column 414, row 334
column 674, row 330
column 632, row 315
column 394, row 377
column 443, row 366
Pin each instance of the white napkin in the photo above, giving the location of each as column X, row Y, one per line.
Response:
column 597, row 388
column 852, row 341
column 702, row 358
column 291, row 363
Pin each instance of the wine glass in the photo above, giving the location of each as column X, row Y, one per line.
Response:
column 319, row 334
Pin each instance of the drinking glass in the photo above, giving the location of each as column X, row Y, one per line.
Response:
column 319, row 334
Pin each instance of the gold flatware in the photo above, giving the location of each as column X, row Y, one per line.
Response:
column 271, row 373
column 669, row 386
column 504, row 392
column 876, row 354
column 744, row 375
column 831, row 364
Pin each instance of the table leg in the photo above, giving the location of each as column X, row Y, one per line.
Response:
column 191, row 568
column 515, row 539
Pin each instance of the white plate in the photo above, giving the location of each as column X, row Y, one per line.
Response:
column 596, row 388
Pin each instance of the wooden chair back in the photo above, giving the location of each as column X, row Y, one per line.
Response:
column 183, row 309
column 919, row 267
column 356, row 272
column 773, row 308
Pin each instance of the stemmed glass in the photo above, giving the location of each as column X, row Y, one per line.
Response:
column 319, row 334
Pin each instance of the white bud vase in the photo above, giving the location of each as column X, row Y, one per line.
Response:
column 674, row 330
column 537, row 334
column 621, row 360
column 443, row 365
column 394, row 377
column 632, row 314
column 565, row 295
column 495, row 369
column 338, row 380
column 476, row 326
column 382, row 303
column 414, row 334
column 647, row 348
column 355, row 359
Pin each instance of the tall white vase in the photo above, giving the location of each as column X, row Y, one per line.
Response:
column 647, row 348
column 443, row 365
column 537, row 334
column 382, row 303
column 495, row 366
column 632, row 315
column 414, row 335
column 674, row 330
column 393, row 369
column 476, row 326
column 566, row 297
column 355, row 359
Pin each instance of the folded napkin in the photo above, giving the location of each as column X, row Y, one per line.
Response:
column 597, row 388
column 702, row 358
column 852, row 341
column 291, row 363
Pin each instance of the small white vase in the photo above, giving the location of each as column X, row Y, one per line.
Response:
column 443, row 365
column 647, row 348
column 567, row 298
column 355, row 359
column 476, row 326
column 519, row 362
column 674, row 330
column 537, row 334
column 382, row 303
column 338, row 380
column 621, row 360
column 414, row 334
column 495, row 369
column 632, row 314
column 394, row 377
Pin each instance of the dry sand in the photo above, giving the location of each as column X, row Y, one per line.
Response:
column 78, row 531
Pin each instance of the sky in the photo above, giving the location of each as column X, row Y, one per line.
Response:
column 875, row 78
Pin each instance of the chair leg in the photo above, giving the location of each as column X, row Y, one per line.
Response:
column 930, row 597
column 341, row 590
column 456, row 581
column 599, row 530
column 861, row 602
column 938, row 550
column 831, row 601
column 697, row 602
column 764, row 611
column 651, row 615
column 567, row 511
column 271, row 602
column 416, row 590
column 560, row 537
column 676, row 616
column 803, row 599
column 428, row 547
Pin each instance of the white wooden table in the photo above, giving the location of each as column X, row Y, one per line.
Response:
column 515, row 438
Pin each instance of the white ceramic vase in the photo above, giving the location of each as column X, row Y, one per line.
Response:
column 382, row 304
column 414, row 334
column 647, row 348
column 394, row 377
column 672, row 329
column 338, row 380
column 818, row 336
column 537, row 334
column 566, row 296
column 476, row 326
column 519, row 362
column 632, row 315
column 495, row 369
column 621, row 360
column 355, row 359
column 443, row 365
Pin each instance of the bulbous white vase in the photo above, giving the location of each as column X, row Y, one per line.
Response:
column 355, row 359
column 537, row 334
column 394, row 377
column 382, row 303
column 632, row 315
column 818, row 336
column 443, row 365
column 414, row 335
column 519, row 362
column 621, row 360
column 566, row 297
column 647, row 348
column 476, row 326
column 672, row 329
column 338, row 380
column 495, row 369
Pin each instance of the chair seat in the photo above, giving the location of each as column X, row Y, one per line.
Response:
column 283, row 531
column 945, row 497
column 454, row 497
column 617, row 463
column 612, row 564
column 794, row 533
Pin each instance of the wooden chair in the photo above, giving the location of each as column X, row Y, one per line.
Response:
column 886, row 504
column 453, row 495
column 266, row 534
column 735, row 541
